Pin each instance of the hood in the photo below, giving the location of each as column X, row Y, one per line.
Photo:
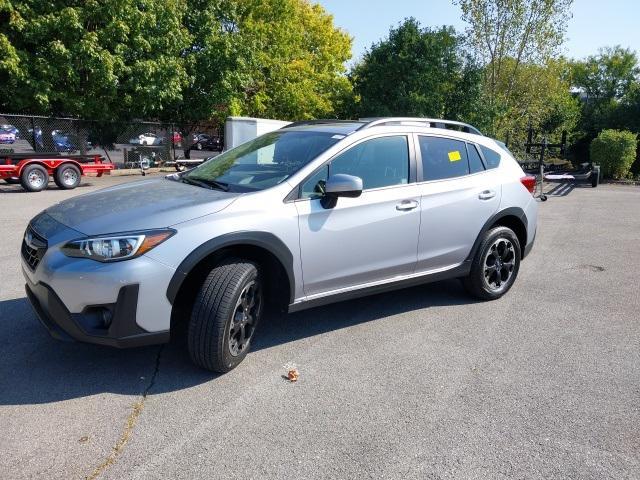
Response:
column 141, row 205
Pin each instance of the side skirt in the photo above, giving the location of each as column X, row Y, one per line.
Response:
column 461, row 270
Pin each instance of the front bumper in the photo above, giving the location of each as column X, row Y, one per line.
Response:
column 112, row 325
column 119, row 304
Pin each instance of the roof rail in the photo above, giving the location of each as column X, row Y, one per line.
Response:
column 430, row 122
column 322, row 121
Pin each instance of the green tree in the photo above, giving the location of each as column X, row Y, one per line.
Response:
column 177, row 60
column 608, row 75
column 297, row 69
column 417, row 72
column 105, row 60
column 607, row 82
column 507, row 34
column 543, row 102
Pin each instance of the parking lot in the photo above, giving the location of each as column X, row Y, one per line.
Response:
column 419, row 383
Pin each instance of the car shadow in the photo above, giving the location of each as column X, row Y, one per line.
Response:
column 37, row 369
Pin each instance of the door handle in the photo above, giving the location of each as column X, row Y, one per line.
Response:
column 405, row 205
column 486, row 195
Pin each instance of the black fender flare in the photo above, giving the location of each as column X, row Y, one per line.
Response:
column 264, row 240
column 507, row 212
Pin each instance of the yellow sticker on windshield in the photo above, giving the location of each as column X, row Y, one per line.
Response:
column 455, row 156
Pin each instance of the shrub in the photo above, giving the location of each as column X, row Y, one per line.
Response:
column 614, row 151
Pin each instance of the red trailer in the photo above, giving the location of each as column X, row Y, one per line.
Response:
column 32, row 170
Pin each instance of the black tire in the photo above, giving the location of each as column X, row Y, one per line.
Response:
column 485, row 281
column 67, row 177
column 12, row 180
column 220, row 319
column 34, row 178
column 180, row 167
column 595, row 177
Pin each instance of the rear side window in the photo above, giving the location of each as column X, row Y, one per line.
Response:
column 490, row 157
column 443, row 158
column 475, row 162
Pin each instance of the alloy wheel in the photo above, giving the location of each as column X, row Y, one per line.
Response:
column 245, row 318
column 499, row 264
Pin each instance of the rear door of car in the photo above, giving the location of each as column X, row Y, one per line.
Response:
column 458, row 195
column 367, row 239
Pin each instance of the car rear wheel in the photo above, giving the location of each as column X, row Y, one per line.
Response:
column 34, row 178
column 495, row 265
column 225, row 315
column 67, row 177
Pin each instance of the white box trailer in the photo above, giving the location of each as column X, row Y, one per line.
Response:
column 239, row 130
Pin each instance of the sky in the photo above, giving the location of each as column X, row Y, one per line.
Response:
column 595, row 23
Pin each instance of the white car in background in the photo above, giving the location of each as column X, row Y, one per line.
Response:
column 147, row 139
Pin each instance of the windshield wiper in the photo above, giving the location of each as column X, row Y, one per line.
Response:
column 205, row 183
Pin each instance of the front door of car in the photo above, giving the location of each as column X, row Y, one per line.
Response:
column 365, row 239
column 458, row 195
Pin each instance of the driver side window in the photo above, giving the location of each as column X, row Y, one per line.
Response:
column 380, row 162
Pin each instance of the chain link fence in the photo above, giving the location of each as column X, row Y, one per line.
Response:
column 125, row 144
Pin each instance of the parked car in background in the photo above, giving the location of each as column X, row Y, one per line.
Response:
column 10, row 128
column 61, row 142
column 147, row 139
column 7, row 137
column 203, row 141
column 313, row 213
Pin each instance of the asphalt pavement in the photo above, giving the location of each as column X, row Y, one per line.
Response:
column 419, row 383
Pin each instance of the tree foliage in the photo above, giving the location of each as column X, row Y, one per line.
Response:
column 184, row 60
column 609, row 86
column 298, row 62
column 99, row 59
column 417, row 72
column 615, row 151
column 507, row 34
column 543, row 101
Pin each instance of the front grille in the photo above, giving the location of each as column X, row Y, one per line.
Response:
column 34, row 247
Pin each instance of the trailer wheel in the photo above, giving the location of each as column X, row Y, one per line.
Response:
column 34, row 178
column 595, row 176
column 67, row 177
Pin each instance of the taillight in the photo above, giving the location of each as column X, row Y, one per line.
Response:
column 529, row 183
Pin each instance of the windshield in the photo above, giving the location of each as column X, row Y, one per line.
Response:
column 261, row 163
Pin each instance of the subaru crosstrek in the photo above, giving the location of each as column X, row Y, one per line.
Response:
column 313, row 213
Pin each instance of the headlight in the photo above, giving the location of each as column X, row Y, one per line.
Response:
column 116, row 247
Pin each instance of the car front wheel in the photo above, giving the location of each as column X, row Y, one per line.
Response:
column 495, row 265
column 225, row 315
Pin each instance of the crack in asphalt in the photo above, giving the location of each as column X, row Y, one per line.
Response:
column 130, row 423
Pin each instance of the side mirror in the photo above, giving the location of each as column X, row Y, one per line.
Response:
column 341, row 185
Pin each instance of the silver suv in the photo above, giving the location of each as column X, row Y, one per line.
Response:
column 316, row 212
